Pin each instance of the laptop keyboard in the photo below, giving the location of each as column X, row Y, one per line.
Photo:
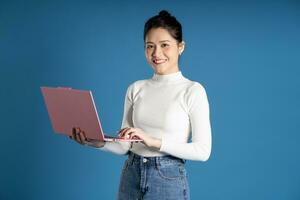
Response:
column 116, row 137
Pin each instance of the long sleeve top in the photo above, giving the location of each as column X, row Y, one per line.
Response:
column 172, row 108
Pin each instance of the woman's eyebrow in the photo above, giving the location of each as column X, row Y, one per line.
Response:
column 159, row 41
column 164, row 41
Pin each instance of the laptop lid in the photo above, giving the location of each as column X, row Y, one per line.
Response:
column 68, row 108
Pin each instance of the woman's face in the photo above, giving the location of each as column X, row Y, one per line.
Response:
column 162, row 51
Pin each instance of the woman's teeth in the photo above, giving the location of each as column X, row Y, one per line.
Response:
column 160, row 61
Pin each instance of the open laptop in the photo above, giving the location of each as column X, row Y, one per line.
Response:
column 68, row 108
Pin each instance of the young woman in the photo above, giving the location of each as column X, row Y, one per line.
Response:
column 162, row 111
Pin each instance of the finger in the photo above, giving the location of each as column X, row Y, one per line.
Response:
column 136, row 136
column 122, row 133
column 73, row 132
column 77, row 138
column 81, row 136
column 127, row 133
column 84, row 136
column 130, row 131
column 122, row 129
column 78, row 130
column 119, row 131
column 132, row 135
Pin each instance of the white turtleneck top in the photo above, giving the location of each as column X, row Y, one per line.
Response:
column 172, row 108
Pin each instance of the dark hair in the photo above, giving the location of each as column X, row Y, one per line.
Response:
column 166, row 21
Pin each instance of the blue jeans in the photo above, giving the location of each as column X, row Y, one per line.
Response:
column 153, row 178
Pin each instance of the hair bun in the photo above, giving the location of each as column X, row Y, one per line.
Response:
column 164, row 13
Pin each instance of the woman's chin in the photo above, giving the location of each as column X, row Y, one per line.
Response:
column 159, row 67
column 158, row 70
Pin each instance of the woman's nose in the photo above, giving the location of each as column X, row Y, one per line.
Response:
column 156, row 52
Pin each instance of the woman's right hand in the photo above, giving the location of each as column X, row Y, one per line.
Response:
column 79, row 136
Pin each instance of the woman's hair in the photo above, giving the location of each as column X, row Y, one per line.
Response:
column 164, row 20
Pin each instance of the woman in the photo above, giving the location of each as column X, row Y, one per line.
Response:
column 162, row 111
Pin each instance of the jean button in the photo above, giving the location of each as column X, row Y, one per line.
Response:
column 145, row 160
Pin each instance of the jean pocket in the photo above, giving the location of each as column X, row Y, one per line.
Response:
column 170, row 172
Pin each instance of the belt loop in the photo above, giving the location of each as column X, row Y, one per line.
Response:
column 157, row 162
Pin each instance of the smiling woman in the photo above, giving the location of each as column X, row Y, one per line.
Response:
column 162, row 51
column 163, row 43
column 162, row 111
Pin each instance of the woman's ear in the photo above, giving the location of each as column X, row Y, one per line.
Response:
column 181, row 47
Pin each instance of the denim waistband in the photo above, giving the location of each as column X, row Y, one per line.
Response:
column 156, row 160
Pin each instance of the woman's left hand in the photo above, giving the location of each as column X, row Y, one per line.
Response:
column 132, row 133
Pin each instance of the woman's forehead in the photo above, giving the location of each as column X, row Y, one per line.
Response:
column 158, row 35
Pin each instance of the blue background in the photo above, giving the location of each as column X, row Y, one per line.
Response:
column 246, row 55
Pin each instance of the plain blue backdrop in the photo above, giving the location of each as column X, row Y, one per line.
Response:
column 245, row 53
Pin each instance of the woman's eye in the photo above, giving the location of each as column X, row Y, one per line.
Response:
column 164, row 45
column 149, row 47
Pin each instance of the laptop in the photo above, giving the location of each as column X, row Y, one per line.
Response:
column 68, row 108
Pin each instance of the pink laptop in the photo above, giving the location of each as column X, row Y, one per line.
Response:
column 68, row 108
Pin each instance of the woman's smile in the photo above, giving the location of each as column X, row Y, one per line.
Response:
column 159, row 61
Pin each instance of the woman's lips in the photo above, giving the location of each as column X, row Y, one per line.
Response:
column 159, row 61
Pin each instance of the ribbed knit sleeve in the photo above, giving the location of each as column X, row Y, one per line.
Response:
column 200, row 146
